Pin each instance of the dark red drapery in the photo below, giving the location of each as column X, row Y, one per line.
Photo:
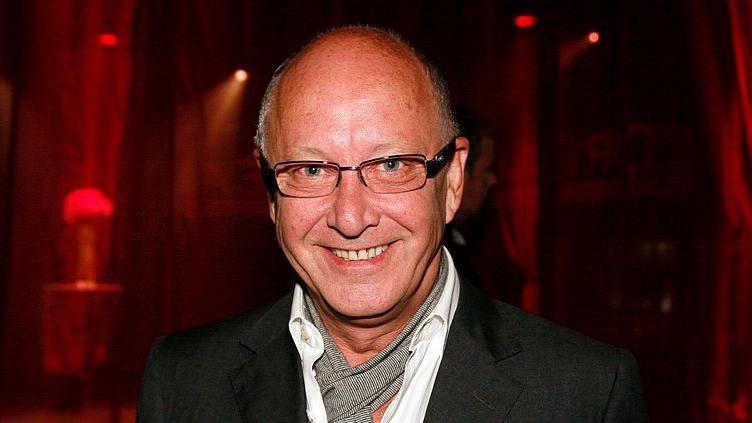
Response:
column 157, row 124
column 726, row 81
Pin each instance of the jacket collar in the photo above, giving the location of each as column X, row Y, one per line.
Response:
column 471, row 384
column 263, row 392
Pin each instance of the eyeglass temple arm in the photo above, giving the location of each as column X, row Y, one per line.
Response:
column 268, row 176
column 434, row 165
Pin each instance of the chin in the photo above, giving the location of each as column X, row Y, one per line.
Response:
column 360, row 314
column 363, row 304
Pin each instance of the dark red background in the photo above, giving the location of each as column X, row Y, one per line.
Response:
column 625, row 171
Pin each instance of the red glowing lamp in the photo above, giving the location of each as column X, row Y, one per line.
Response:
column 525, row 21
column 593, row 37
column 108, row 39
column 86, row 202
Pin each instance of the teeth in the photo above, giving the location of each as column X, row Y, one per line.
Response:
column 364, row 254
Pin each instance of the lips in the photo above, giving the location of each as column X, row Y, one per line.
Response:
column 363, row 254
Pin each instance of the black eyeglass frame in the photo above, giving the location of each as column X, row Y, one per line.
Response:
column 433, row 166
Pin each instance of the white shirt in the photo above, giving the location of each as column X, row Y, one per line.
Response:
column 426, row 347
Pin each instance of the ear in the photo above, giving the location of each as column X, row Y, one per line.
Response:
column 456, row 178
column 272, row 208
column 269, row 197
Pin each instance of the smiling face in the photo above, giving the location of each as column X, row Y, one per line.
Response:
column 364, row 257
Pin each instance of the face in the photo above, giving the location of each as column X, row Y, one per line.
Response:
column 480, row 177
column 360, row 109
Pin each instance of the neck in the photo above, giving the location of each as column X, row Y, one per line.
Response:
column 359, row 344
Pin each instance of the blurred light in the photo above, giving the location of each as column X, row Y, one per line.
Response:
column 241, row 75
column 86, row 202
column 108, row 40
column 593, row 37
column 525, row 21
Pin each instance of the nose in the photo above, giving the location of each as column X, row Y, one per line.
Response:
column 353, row 210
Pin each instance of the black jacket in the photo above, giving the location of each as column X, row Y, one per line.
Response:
column 500, row 364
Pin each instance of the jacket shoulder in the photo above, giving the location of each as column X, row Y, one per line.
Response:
column 542, row 335
column 186, row 374
column 561, row 372
column 574, row 372
column 216, row 338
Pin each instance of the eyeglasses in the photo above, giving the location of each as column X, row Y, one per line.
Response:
column 383, row 175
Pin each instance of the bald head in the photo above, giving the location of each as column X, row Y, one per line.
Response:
column 362, row 62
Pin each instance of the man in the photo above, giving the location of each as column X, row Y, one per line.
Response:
column 358, row 150
column 474, row 237
column 480, row 174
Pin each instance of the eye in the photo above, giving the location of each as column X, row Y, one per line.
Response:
column 391, row 165
column 312, row 170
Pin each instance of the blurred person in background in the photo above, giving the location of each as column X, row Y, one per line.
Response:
column 474, row 237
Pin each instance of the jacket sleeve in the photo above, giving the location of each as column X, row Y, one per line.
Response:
column 627, row 401
column 151, row 404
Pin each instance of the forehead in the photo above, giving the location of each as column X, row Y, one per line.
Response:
column 349, row 96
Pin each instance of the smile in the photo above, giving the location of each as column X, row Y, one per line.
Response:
column 365, row 254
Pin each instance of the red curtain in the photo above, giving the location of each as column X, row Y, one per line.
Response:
column 71, row 118
column 726, row 88
column 156, row 124
column 501, row 76
column 520, row 199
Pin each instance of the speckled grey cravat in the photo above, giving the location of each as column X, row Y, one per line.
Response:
column 352, row 394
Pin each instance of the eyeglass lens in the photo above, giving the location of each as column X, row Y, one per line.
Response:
column 388, row 175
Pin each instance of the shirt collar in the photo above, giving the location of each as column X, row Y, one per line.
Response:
column 302, row 330
column 443, row 313
column 297, row 312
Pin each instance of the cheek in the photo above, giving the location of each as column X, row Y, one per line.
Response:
column 417, row 210
column 296, row 218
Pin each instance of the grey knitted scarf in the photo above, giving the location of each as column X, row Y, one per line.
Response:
column 352, row 394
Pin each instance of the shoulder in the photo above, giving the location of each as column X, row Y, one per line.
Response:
column 558, row 347
column 559, row 368
column 186, row 374
column 501, row 324
column 574, row 373
column 218, row 342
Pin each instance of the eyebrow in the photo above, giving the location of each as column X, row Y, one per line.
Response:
column 313, row 151
column 388, row 148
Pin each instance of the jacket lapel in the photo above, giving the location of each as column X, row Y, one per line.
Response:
column 471, row 384
column 269, row 385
